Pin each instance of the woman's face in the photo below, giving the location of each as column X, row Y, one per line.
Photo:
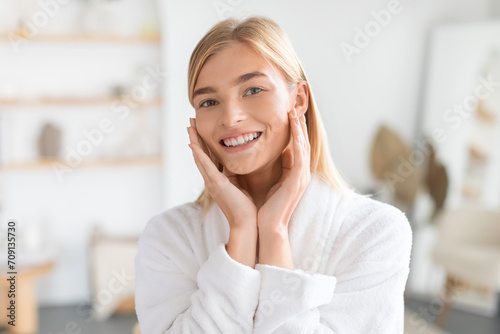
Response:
column 241, row 104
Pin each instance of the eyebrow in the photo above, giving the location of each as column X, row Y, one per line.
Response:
column 241, row 79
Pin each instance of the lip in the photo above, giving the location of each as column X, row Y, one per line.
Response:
column 241, row 147
column 236, row 134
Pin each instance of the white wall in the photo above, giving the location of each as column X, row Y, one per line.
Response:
column 381, row 84
column 495, row 8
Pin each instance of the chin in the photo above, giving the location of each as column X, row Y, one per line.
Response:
column 238, row 168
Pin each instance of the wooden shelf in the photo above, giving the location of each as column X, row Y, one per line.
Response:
column 48, row 164
column 75, row 102
column 81, row 38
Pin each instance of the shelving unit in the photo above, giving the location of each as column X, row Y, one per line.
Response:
column 59, row 176
column 77, row 102
column 73, row 101
column 60, row 38
column 49, row 163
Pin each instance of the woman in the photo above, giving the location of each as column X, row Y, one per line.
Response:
column 277, row 242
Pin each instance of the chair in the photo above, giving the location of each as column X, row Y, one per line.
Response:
column 468, row 247
column 26, row 303
column 112, row 274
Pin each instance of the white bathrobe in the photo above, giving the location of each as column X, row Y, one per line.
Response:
column 351, row 257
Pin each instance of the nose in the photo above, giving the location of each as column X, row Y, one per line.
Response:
column 232, row 113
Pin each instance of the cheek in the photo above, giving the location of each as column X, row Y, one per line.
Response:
column 278, row 133
column 272, row 111
column 278, row 123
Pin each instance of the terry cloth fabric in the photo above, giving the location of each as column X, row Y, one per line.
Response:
column 351, row 257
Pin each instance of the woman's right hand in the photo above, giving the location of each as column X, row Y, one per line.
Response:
column 236, row 203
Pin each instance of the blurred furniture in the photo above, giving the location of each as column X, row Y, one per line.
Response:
column 25, row 299
column 112, row 274
column 464, row 141
column 389, row 162
column 395, row 163
column 436, row 181
column 468, row 247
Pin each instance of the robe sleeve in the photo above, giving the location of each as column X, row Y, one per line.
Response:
column 174, row 294
column 364, row 296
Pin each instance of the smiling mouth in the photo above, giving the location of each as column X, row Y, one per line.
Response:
column 241, row 141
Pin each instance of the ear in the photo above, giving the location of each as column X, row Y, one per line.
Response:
column 301, row 97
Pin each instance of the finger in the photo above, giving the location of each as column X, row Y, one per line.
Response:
column 287, row 163
column 304, row 139
column 205, row 162
column 215, row 181
column 287, row 159
column 230, row 175
column 234, row 180
column 197, row 153
column 202, row 160
column 303, row 125
column 193, row 133
column 192, row 136
column 307, row 146
column 297, row 137
column 197, row 138
column 299, row 150
column 193, row 140
column 227, row 172
column 294, row 124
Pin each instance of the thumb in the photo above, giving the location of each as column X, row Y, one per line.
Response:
column 231, row 176
column 227, row 172
column 234, row 180
column 287, row 159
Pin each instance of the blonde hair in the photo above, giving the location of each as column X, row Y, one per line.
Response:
column 269, row 40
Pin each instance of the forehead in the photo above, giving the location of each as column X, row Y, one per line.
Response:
column 233, row 61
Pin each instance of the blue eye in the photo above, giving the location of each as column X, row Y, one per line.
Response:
column 204, row 103
column 254, row 91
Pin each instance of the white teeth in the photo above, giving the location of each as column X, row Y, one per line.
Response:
column 240, row 140
column 251, row 136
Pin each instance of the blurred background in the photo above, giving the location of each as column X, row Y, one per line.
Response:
column 93, row 111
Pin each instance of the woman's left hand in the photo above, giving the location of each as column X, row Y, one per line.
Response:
column 283, row 197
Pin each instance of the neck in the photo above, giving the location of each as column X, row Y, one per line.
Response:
column 260, row 181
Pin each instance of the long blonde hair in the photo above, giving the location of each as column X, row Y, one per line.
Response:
column 270, row 41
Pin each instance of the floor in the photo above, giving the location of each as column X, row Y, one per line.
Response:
column 459, row 322
column 73, row 319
